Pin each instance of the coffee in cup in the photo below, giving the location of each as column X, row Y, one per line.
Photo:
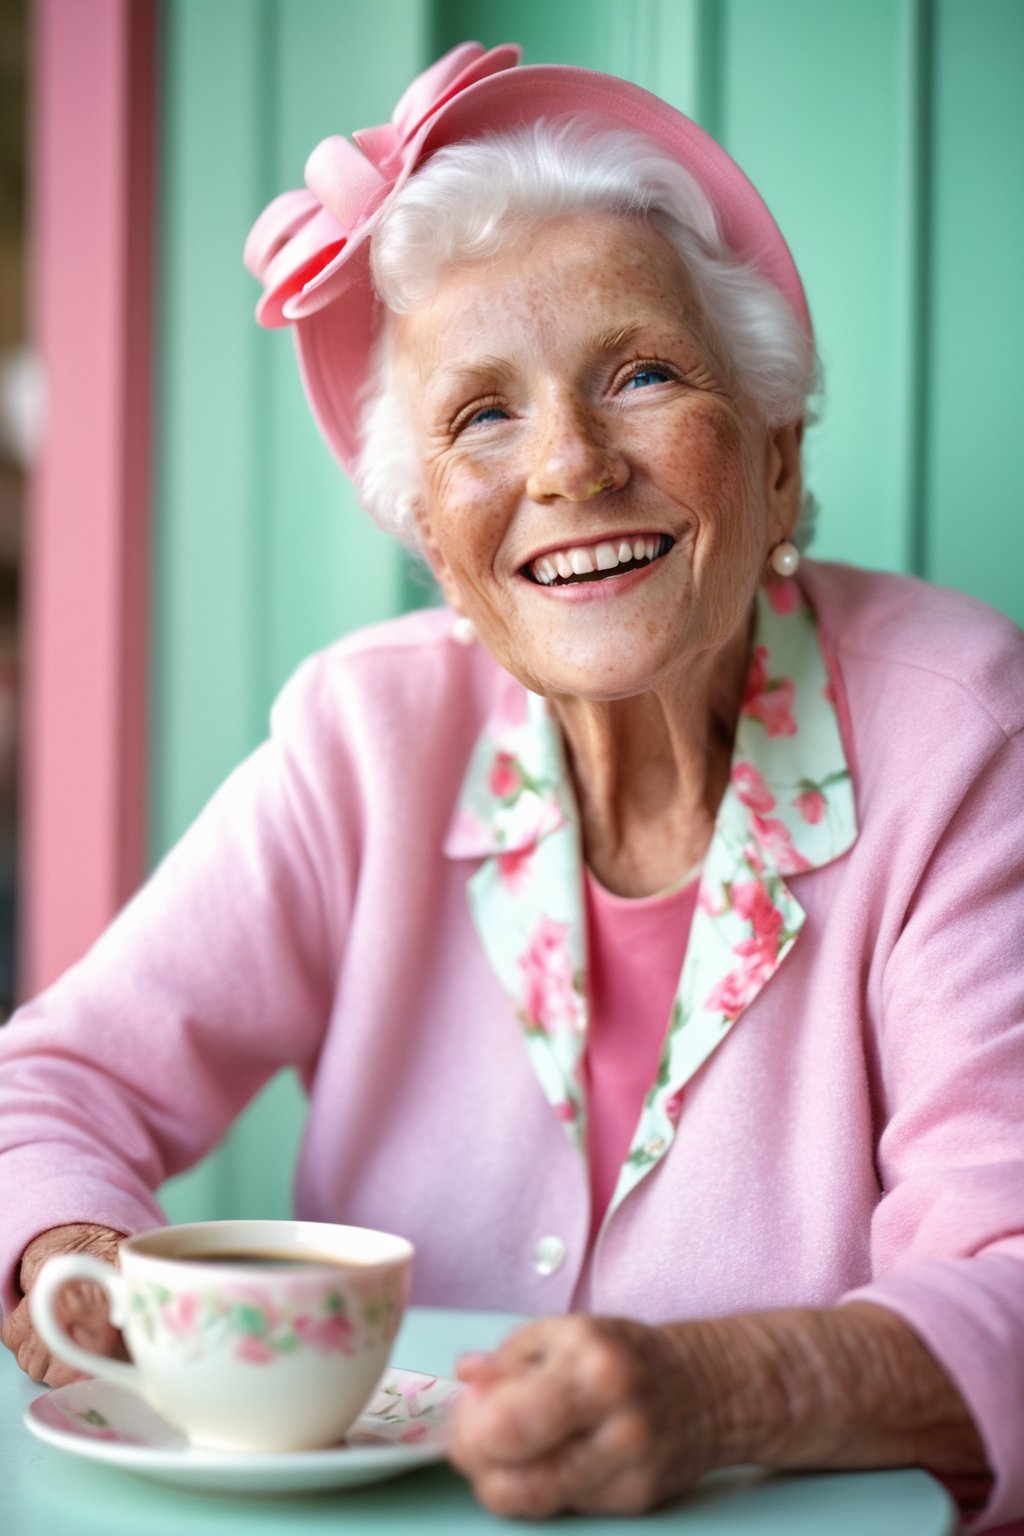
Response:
column 248, row 1335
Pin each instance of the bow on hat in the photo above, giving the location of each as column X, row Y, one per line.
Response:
column 300, row 244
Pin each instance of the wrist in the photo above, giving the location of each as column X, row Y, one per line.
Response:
column 74, row 1237
column 847, row 1386
column 744, row 1386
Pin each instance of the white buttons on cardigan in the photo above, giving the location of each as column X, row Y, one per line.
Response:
column 548, row 1255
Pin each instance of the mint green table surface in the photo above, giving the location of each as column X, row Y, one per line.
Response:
column 46, row 1492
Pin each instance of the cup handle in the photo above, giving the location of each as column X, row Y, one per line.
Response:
column 42, row 1303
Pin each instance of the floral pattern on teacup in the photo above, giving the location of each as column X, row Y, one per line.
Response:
column 259, row 1328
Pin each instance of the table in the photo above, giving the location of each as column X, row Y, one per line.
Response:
column 45, row 1492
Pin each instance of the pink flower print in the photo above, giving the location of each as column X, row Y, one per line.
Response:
column 811, row 805
column 784, row 596
column 769, row 699
column 549, row 997
column 751, row 788
column 514, row 869
column 752, row 902
column 752, row 857
column 410, row 1391
column 775, row 839
column 733, row 993
column 739, row 987
column 534, row 819
column 506, row 776
column 566, row 1111
column 180, row 1315
column 792, row 862
column 330, row 1335
column 254, row 1350
column 757, row 955
column 674, row 1105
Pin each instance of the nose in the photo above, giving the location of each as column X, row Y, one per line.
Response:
column 572, row 458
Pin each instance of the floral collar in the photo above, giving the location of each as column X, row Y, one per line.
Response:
column 788, row 808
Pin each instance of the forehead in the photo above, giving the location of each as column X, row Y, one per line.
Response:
column 595, row 270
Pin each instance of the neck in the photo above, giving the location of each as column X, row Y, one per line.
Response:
column 650, row 770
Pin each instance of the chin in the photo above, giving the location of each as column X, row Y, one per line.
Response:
column 601, row 684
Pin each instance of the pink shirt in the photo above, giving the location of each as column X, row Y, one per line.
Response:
column 636, row 951
column 856, row 1133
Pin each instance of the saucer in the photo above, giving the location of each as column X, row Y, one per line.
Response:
column 403, row 1427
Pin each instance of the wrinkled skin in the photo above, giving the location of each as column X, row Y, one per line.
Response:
column 82, row 1306
column 607, row 1416
column 582, row 1414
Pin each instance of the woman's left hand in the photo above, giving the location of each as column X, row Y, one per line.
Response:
column 598, row 1415
column 605, row 1416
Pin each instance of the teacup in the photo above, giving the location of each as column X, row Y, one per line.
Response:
column 249, row 1335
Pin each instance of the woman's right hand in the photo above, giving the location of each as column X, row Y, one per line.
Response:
column 82, row 1305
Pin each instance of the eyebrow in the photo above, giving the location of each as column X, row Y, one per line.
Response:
column 487, row 368
column 480, row 369
column 618, row 336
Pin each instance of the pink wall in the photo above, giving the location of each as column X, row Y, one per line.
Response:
column 84, row 770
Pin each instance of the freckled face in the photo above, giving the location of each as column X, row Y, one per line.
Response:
column 597, row 499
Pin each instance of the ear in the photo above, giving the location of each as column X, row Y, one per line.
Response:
column 784, row 480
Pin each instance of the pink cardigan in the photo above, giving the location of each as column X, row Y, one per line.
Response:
column 859, row 1131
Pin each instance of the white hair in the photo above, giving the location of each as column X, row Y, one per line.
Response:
column 472, row 199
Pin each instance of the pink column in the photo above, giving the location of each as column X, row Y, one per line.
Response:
column 84, row 765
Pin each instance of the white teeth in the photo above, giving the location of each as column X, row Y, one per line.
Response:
column 585, row 560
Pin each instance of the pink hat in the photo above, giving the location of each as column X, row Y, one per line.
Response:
column 311, row 249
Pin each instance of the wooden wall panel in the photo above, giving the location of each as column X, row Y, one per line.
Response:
column 819, row 105
column 330, row 570
column 974, row 537
column 209, row 558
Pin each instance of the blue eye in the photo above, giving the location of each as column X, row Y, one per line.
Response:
column 489, row 413
column 646, row 376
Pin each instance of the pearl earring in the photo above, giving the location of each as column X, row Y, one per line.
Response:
column 784, row 559
column 463, row 630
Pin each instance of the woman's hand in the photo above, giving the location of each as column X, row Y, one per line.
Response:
column 82, row 1305
column 605, row 1416
column 598, row 1415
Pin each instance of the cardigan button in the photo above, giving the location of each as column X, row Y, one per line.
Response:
column 548, row 1255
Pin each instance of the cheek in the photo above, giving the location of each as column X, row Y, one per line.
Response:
column 717, row 463
column 467, row 518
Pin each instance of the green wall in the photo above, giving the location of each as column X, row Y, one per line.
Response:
column 887, row 137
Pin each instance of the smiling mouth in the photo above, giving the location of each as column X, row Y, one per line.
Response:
column 595, row 562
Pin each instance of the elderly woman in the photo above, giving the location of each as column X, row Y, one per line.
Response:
column 646, row 924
